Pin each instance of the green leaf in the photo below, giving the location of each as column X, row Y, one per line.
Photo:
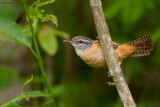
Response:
column 27, row 82
column 49, row 17
column 45, row 3
column 49, row 30
column 47, row 38
column 48, row 43
column 11, row 30
column 61, row 33
column 35, row 13
column 25, row 95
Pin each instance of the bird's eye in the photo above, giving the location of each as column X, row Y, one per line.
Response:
column 80, row 41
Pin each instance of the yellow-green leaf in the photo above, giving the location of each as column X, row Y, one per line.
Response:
column 27, row 82
column 48, row 42
column 52, row 18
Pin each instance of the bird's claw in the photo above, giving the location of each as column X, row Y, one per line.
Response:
column 110, row 74
column 110, row 83
column 97, row 37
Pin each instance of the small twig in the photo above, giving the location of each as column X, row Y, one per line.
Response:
column 109, row 54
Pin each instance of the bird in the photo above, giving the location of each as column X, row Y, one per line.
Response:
column 90, row 51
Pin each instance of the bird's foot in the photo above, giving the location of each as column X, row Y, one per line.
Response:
column 110, row 74
column 110, row 83
column 97, row 37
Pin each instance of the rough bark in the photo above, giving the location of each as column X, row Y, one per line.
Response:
column 109, row 53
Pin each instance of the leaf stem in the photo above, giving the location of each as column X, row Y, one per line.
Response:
column 46, row 82
column 33, row 52
column 45, row 3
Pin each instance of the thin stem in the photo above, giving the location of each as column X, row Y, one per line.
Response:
column 33, row 52
column 45, row 3
column 109, row 53
column 38, row 52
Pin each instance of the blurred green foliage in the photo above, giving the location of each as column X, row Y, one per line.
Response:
column 7, row 76
column 48, row 42
column 74, row 84
column 47, row 39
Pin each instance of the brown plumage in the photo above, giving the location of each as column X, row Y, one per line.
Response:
column 143, row 46
column 90, row 50
column 139, row 47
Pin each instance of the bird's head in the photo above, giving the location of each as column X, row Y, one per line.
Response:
column 80, row 43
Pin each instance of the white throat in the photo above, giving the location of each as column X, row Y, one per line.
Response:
column 79, row 51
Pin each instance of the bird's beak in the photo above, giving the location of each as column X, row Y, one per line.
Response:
column 69, row 41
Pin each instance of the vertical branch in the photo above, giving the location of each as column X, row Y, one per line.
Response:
column 109, row 54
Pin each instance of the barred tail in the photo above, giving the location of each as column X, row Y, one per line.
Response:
column 143, row 46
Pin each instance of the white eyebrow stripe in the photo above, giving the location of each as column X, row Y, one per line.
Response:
column 83, row 40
